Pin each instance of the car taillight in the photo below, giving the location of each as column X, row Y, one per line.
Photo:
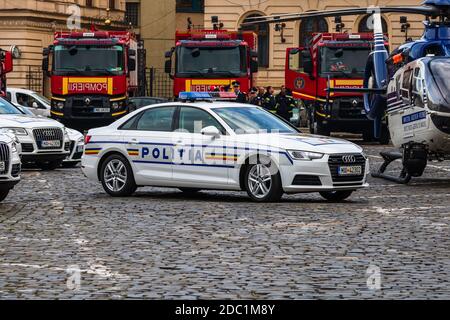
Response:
column 87, row 139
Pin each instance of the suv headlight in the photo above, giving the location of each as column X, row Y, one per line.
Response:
column 17, row 131
column 305, row 155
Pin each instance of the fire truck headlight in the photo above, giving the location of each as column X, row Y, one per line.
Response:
column 59, row 105
column 115, row 105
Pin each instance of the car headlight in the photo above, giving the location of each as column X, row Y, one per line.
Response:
column 305, row 155
column 17, row 131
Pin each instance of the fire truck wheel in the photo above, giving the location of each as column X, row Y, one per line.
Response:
column 368, row 136
column 321, row 130
column 49, row 165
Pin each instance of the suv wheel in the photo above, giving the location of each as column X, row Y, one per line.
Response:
column 3, row 194
column 117, row 176
column 261, row 184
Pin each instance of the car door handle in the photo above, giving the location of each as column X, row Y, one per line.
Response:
column 134, row 142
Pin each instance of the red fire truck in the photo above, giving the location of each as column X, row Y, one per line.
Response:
column 92, row 75
column 6, row 66
column 332, row 60
column 208, row 60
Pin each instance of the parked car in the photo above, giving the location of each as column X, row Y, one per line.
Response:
column 9, row 164
column 139, row 102
column 44, row 142
column 220, row 145
column 32, row 101
column 76, row 148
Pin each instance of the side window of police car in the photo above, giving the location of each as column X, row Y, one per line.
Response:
column 155, row 119
column 193, row 120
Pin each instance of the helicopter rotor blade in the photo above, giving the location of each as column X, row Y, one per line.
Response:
column 423, row 10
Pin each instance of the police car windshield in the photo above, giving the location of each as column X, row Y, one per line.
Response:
column 250, row 120
column 8, row 108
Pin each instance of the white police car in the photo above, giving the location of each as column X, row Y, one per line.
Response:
column 220, row 145
column 9, row 164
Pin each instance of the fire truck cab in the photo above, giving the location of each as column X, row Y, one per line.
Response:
column 332, row 60
column 6, row 66
column 92, row 75
column 211, row 60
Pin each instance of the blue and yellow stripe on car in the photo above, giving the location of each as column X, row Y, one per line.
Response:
column 92, row 151
column 133, row 152
column 222, row 156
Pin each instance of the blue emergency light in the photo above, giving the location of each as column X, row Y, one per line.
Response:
column 208, row 96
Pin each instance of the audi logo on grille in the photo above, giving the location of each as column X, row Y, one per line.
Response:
column 349, row 159
column 48, row 133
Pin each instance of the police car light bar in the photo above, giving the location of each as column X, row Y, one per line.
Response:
column 208, row 96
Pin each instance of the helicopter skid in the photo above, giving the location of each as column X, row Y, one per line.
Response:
column 390, row 157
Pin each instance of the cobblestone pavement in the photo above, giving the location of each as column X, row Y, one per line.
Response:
column 163, row 244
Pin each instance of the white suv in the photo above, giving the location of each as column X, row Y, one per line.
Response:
column 32, row 101
column 9, row 164
column 44, row 142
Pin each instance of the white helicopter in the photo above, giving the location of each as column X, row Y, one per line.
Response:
column 409, row 89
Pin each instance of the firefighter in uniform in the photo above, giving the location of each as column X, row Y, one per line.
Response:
column 269, row 102
column 285, row 104
column 241, row 97
column 255, row 98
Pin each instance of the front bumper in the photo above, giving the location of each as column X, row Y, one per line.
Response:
column 32, row 153
column 316, row 176
column 12, row 175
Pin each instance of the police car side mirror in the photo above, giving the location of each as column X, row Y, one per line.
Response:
column 211, row 131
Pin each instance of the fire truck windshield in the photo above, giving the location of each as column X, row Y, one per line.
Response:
column 89, row 60
column 200, row 62
column 343, row 62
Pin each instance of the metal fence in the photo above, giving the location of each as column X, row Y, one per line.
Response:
column 35, row 79
column 158, row 83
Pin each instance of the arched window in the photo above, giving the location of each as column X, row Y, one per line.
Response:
column 310, row 26
column 365, row 25
column 263, row 40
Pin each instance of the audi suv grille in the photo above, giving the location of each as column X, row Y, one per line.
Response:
column 50, row 134
column 4, row 157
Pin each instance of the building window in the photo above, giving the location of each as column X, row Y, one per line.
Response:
column 112, row 4
column 366, row 25
column 132, row 13
column 90, row 3
column 195, row 6
column 263, row 40
column 310, row 26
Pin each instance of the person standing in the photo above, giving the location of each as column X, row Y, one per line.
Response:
column 285, row 104
column 254, row 98
column 241, row 97
column 269, row 102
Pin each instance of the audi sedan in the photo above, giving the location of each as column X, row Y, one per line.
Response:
column 197, row 146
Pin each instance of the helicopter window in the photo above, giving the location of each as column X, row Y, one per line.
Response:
column 435, row 50
column 406, row 84
column 417, row 82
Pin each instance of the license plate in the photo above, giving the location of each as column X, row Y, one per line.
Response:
column 2, row 166
column 102, row 110
column 350, row 171
column 51, row 144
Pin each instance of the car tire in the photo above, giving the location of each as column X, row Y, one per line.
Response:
column 336, row 196
column 262, row 184
column 49, row 165
column 189, row 190
column 3, row 194
column 117, row 176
